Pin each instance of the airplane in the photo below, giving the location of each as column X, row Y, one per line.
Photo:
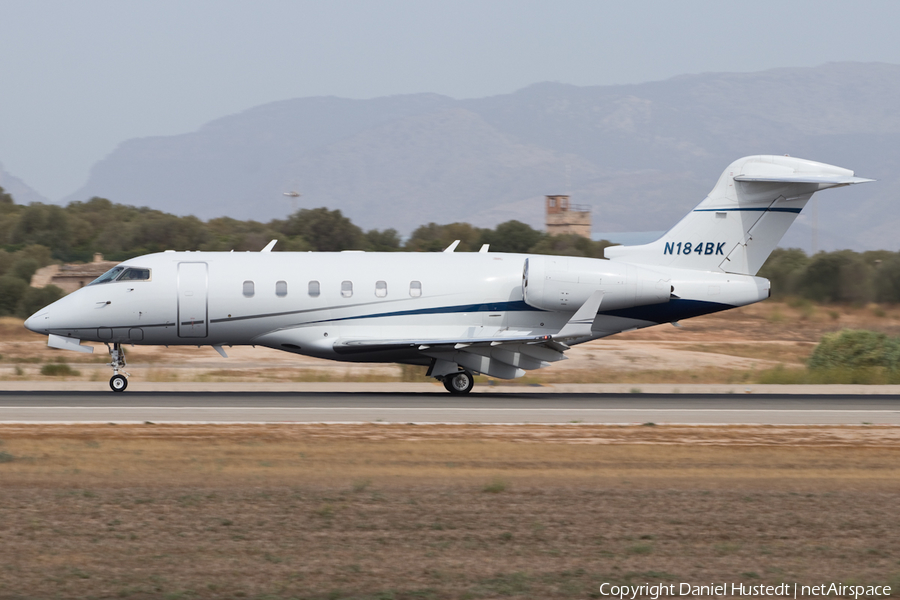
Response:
column 459, row 314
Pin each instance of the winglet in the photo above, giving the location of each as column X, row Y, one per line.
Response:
column 580, row 323
column 269, row 246
column 452, row 247
column 485, row 248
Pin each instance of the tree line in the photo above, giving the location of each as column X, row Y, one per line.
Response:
column 35, row 235
column 842, row 276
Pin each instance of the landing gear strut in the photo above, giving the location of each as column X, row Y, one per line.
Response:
column 459, row 383
column 119, row 381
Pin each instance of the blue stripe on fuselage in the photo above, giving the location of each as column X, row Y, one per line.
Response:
column 751, row 209
column 517, row 306
column 673, row 310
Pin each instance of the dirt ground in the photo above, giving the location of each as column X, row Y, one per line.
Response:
column 375, row 511
column 733, row 346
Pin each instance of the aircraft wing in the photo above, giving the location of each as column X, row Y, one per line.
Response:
column 504, row 357
column 435, row 345
column 578, row 326
column 501, row 356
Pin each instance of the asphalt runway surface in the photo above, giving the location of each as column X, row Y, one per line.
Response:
column 529, row 407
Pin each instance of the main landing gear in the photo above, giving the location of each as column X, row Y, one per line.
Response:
column 119, row 381
column 459, row 383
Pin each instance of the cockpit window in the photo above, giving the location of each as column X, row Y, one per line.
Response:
column 135, row 274
column 108, row 276
column 123, row 274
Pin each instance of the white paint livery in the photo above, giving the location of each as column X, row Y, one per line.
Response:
column 457, row 313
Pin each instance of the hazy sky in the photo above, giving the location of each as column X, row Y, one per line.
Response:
column 78, row 78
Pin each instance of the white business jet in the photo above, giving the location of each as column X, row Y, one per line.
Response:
column 456, row 313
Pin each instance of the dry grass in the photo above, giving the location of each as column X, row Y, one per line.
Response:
column 685, row 376
column 402, row 511
column 787, row 352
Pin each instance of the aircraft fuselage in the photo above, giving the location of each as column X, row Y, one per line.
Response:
column 308, row 302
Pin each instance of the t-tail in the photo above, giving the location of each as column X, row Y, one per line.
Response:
column 742, row 219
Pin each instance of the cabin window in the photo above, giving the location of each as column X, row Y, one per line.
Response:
column 281, row 289
column 314, row 288
column 133, row 274
column 249, row 289
column 346, row 289
column 415, row 288
column 381, row 289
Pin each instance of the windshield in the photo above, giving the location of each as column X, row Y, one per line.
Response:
column 133, row 274
column 123, row 274
column 108, row 276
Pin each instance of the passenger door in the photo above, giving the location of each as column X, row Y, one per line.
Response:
column 193, row 283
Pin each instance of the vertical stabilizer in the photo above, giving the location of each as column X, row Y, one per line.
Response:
column 742, row 219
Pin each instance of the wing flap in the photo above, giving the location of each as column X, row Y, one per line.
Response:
column 374, row 345
column 506, row 358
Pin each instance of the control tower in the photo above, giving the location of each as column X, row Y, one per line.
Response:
column 564, row 217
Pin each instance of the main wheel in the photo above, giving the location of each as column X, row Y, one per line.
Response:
column 118, row 383
column 460, row 383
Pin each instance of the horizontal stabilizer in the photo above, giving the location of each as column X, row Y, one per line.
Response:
column 828, row 179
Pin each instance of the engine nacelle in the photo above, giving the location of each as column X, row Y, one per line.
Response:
column 564, row 283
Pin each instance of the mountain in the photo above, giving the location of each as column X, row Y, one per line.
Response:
column 18, row 189
column 641, row 155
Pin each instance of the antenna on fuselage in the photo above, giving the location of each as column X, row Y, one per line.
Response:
column 293, row 196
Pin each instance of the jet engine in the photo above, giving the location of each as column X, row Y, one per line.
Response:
column 562, row 283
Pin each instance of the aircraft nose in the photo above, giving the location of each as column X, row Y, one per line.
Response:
column 37, row 321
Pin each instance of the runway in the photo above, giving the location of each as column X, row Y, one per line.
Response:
column 530, row 407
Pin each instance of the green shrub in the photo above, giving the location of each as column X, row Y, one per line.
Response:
column 856, row 349
column 887, row 281
column 842, row 276
column 783, row 269
column 495, row 487
column 25, row 268
column 34, row 299
column 11, row 291
column 57, row 369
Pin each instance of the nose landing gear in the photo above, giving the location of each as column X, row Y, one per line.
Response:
column 119, row 381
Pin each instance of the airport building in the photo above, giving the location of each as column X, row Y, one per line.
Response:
column 564, row 217
column 72, row 276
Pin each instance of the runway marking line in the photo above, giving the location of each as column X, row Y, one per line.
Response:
column 467, row 423
column 431, row 408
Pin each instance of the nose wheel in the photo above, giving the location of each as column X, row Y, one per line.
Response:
column 459, row 383
column 119, row 381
